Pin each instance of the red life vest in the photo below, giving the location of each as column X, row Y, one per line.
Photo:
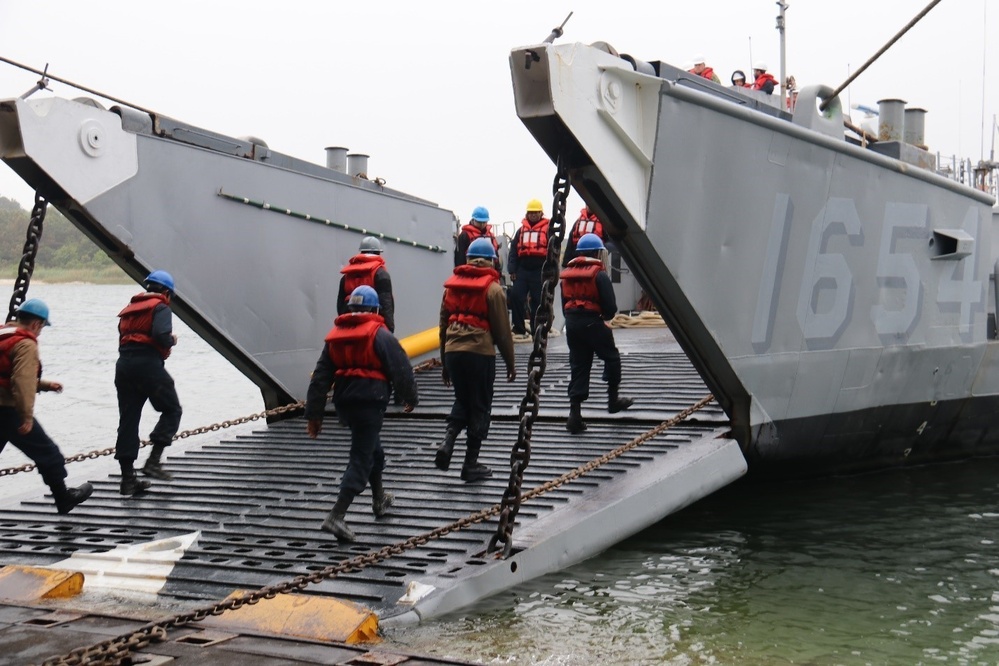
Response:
column 707, row 72
column 762, row 79
column 136, row 321
column 474, row 233
column 588, row 223
column 351, row 345
column 10, row 335
column 360, row 270
column 579, row 284
column 465, row 298
column 533, row 240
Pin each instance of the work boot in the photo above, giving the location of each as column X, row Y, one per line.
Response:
column 154, row 467
column 575, row 424
column 380, row 500
column 444, row 451
column 471, row 470
column 67, row 498
column 336, row 523
column 133, row 485
column 615, row 403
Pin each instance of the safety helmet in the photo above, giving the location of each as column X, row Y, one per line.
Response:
column 535, row 206
column 760, row 65
column 363, row 297
column 36, row 308
column 589, row 243
column 162, row 278
column 738, row 75
column 370, row 245
column 480, row 214
column 699, row 59
column 481, row 247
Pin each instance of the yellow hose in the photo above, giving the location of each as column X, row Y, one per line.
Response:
column 421, row 343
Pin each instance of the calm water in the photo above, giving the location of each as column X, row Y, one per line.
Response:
column 891, row 568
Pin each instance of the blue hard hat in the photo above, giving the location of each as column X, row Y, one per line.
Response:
column 481, row 247
column 363, row 296
column 480, row 214
column 36, row 308
column 161, row 278
column 589, row 243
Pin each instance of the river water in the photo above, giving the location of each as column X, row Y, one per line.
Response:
column 898, row 567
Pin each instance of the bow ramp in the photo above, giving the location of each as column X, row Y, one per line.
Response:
column 258, row 499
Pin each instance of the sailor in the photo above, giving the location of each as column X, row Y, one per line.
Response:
column 477, row 227
column 360, row 360
column 586, row 223
column 20, row 380
column 145, row 341
column 701, row 69
column 528, row 251
column 587, row 301
column 368, row 267
column 739, row 79
column 473, row 323
column 763, row 80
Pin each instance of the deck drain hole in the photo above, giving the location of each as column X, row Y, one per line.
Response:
column 8, row 524
column 44, row 621
column 395, row 574
column 90, row 529
column 235, row 539
column 296, row 544
column 443, row 556
column 69, row 549
column 39, row 547
column 212, row 548
column 218, row 560
column 118, row 530
column 274, row 553
column 242, row 550
column 315, row 567
column 513, row 567
column 251, row 563
column 264, row 542
column 63, row 528
column 94, row 539
column 416, row 565
column 282, row 565
column 38, row 537
column 305, row 556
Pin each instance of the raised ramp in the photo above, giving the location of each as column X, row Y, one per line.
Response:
column 258, row 499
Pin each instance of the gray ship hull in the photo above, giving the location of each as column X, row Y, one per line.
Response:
column 837, row 301
column 255, row 239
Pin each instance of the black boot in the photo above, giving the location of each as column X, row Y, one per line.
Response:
column 335, row 522
column 471, row 470
column 154, row 467
column 67, row 498
column 132, row 484
column 575, row 423
column 617, row 404
column 444, row 451
column 380, row 500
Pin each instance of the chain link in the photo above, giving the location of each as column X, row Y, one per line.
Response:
column 284, row 409
column 115, row 651
column 27, row 265
column 520, row 456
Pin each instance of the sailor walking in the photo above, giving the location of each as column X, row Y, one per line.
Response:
column 360, row 360
column 473, row 323
column 367, row 267
column 587, row 301
column 478, row 227
column 20, row 380
column 528, row 251
column 145, row 341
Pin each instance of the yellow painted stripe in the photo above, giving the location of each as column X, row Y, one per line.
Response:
column 23, row 583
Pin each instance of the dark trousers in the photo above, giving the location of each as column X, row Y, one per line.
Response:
column 528, row 282
column 36, row 445
column 586, row 337
column 472, row 376
column 139, row 377
column 367, row 459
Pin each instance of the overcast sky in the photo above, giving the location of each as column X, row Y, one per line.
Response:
column 424, row 87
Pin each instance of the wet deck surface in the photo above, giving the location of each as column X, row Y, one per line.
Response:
column 258, row 498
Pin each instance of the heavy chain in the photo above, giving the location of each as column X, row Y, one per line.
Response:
column 284, row 409
column 520, row 456
column 116, row 650
column 27, row 266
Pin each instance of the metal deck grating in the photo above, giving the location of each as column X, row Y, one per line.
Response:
column 259, row 498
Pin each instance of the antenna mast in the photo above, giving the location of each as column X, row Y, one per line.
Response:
column 783, row 49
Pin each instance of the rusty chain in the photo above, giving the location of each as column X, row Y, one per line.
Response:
column 520, row 456
column 284, row 409
column 117, row 650
column 27, row 265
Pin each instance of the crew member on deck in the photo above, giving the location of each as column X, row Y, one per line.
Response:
column 145, row 340
column 20, row 380
column 528, row 250
column 473, row 323
column 701, row 69
column 477, row 227
column 360, row 360
column 368, row 267
column 587, row 301
column 586, row 223
column 763, row 80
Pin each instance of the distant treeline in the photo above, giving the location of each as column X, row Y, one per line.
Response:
column 64, row 253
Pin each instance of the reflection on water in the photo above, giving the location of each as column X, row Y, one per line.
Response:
column 891, row 568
